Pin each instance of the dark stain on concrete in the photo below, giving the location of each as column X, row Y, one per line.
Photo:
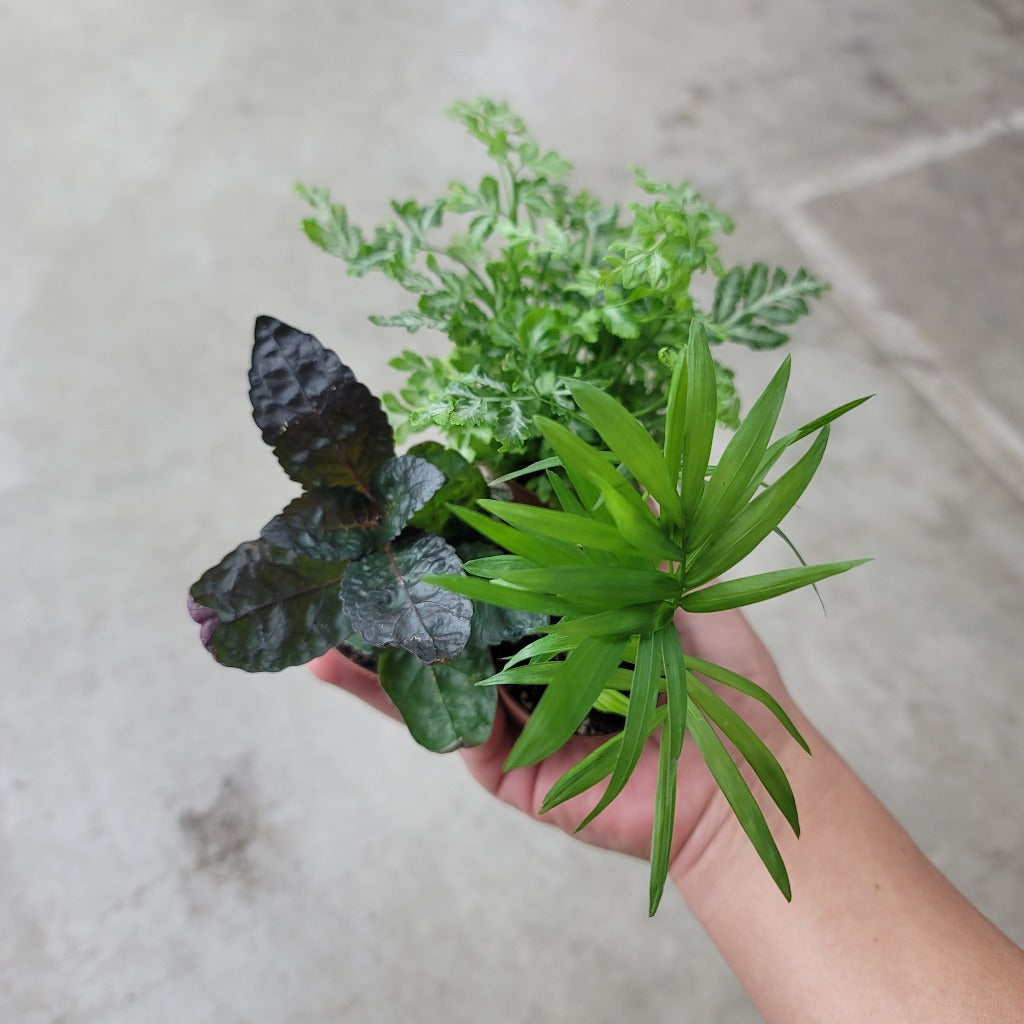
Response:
column 1011, row 22
column 221, row 835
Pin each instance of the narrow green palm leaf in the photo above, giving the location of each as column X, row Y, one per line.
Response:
column 613, row 701
column 632, row 445
column 675, row 417
column 562, row 708
column 640, row 528
column 700, row 416
column 777, row 448
column 620, row 622
column 735, row 541
column 540, row 466
column 495, row 567
column 597, row 765
column 745, row 686
column 580, row 460
column 535, row 467
column 672, row 732
column 803, row 561
column 543, row 647
column 751, row 747
column 611, row 586
column 554, row 526
column 541, row 674
column 528, row 545
column 751, row 589
column 566, row 499
column 640, row 721
column 552, row 673
column 675, row 665
column 664, row 822
column 736, row 791
column 503, row 596
column 725, row 490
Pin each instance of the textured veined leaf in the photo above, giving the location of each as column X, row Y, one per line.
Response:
column 441, row 704
column 392, row 604
column 562, row 708
column 751, row 589
column 326, row 429
column 272, row 607
column 751, row 747
column 631, row 443
column 725, row 490
column 736, row 791
column 402, row 486
column 330, row 524
column 492, row 626
column 463, row 484
column 743, row 533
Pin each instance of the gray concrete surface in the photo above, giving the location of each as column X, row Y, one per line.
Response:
column 183, row 843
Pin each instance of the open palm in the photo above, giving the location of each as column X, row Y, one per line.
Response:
column 722, row 637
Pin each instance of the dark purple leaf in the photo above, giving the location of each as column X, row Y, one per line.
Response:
column 493, row 625
column 206, row 619
column 334, row 525
column 402, row 486
column 326, row 429
column 391, row 605
column 270, row 607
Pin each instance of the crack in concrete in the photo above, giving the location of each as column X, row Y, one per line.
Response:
column 996, row 442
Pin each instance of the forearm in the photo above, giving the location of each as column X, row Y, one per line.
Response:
column 874, row 931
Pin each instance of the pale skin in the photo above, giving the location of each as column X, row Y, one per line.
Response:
column 874, row 931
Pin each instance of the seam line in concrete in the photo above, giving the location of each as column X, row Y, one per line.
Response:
column 990, row 436
column 909, row 156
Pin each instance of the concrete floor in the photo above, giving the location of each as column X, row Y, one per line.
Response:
column 183, row 843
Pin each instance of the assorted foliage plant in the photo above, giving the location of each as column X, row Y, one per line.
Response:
column 581, row 366
column 536, row 285
column 346, row 562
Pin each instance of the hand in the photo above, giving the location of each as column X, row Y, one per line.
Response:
column 867, row 903
column 725, row 638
